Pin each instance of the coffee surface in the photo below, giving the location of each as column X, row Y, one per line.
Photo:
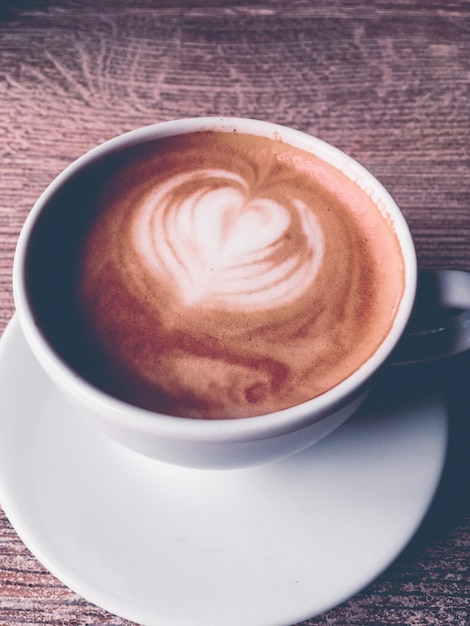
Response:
column 228, row 275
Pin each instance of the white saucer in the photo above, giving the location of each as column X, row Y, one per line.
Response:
column 165, row 546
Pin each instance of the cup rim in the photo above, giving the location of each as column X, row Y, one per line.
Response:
column 216, row 430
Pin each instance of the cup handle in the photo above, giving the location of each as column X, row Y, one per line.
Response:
column 440, row 322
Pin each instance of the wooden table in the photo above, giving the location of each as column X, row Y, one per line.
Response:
column 386, row 81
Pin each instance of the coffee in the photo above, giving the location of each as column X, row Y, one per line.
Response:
column 217, row 275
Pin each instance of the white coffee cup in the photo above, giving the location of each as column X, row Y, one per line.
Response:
column 243, row 442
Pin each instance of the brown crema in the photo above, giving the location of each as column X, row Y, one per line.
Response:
column 227, row 275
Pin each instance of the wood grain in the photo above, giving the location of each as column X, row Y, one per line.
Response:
column 386, row 81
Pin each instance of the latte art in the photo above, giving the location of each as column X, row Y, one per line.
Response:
column 224, row 275
column 219, row 246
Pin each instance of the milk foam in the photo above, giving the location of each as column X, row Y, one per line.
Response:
column 218, row 245
column 228, row 275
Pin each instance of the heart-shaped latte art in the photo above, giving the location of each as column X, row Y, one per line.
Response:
column 219, row 244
